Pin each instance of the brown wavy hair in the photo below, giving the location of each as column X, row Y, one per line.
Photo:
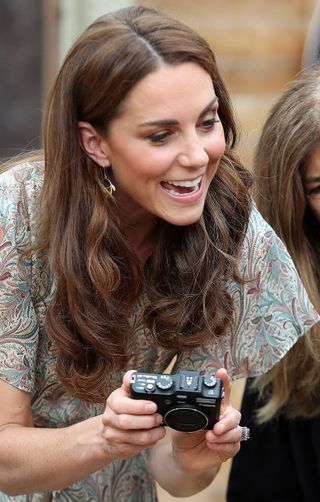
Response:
column 289, row 136
column 95, row 271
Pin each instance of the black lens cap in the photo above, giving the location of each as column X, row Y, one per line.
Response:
column 185, row 418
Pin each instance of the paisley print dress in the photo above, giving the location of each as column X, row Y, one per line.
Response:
column 272, row 311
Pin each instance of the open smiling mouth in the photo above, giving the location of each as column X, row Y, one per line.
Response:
column 182, row 187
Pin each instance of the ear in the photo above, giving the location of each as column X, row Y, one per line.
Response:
column 93, row 144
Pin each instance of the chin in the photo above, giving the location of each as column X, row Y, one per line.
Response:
column 184, row 222
column 184, row 216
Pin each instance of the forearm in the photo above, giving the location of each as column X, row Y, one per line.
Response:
column 172, row 477
column 36, row 460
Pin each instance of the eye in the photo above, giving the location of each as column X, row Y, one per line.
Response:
column 314, row 192
column 159, row 137
column 208, row 122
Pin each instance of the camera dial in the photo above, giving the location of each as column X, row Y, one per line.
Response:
column 164, row 382
column 209, row 381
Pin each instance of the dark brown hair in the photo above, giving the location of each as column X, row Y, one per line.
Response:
column 185, row 282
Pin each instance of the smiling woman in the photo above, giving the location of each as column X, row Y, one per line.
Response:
column 132, row 240
column 164, row 148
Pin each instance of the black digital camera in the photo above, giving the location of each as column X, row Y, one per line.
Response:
column 188, row 401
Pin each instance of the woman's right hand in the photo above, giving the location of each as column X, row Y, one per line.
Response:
column 129, row 425
column 63, row 456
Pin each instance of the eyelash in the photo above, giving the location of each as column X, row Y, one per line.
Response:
column 315, row 190
column 210, row 123
column 161, row 137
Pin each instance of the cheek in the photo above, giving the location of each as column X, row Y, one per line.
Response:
column 216, row 149
column 215, row 152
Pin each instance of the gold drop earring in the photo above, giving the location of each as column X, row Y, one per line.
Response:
column 107, row 182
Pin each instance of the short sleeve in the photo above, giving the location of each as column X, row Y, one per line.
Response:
column 271, row 310
column 18, row 322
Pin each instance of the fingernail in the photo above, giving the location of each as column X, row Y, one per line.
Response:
column 159, row 419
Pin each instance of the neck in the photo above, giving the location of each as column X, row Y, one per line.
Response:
column 138, row 225
column 142, row 239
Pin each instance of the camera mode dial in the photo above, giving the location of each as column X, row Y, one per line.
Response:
column 164, row 382
column 209, row 381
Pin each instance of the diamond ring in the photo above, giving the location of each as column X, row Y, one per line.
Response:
column 245, row 434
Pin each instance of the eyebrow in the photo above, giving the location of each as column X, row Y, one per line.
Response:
column 164, row 122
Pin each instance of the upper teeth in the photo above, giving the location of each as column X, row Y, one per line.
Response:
column 192, row 183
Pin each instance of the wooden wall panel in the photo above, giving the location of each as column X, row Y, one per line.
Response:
column 258, row 45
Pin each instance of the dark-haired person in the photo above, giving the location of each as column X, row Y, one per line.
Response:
column 132, row 241
column 282, row 461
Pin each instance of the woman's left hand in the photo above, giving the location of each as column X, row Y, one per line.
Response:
column 207, row 449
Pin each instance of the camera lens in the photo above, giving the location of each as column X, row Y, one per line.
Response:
column 185, row 418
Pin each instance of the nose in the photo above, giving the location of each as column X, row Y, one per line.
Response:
column 193, row 153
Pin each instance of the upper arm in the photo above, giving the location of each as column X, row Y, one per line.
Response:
column 18, row 320
column 15, row 406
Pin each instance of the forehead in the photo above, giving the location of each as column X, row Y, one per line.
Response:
column 170, row 87
column 313, row 166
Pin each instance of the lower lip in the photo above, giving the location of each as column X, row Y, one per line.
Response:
column 186, row 198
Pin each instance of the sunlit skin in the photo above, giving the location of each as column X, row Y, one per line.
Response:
column 311, row 182
column 169, row 130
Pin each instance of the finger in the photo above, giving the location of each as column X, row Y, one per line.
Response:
column 224, row 376
column 140, row 438
column 126, row 380
column 120, row 403
column 132, row 422
column 231, row 434
column 228, row 422
column 226, row 382
column 148, row 406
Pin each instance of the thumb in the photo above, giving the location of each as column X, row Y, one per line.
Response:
column 226, row 381
column 126, row 380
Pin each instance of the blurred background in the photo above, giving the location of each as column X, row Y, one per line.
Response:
column 259, row 44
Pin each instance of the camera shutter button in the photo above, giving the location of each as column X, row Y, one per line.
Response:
column 150, row 387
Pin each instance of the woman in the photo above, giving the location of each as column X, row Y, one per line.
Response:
column 130, row 245
column 282, row 461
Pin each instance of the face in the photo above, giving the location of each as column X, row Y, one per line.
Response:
column 165, row 146
column 311, row 182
